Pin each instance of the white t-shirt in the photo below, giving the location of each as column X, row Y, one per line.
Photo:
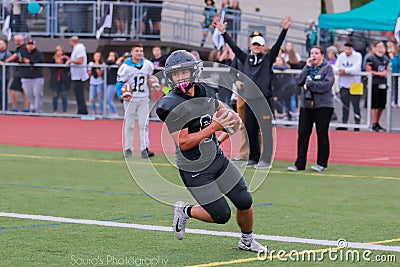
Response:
column 78, row 71
column 93, row 80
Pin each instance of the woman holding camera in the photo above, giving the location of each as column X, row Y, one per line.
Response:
column 316, row 106
column 96, row 90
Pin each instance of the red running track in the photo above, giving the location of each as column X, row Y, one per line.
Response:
column 360, row 148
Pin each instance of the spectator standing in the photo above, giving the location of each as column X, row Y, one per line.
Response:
column 4, row 55
column 240, row 104
column 112, row 70
column 32, row 77
column 282, row 90
column 326, row 38
column 96, row 82
column 209, row 13
column 258, row 67
column 16, row 86
column 359, row 39
column 331, row 52
column 290, row 56
column 124, row 57
column 311, row 32
column 18, row 22
column 77, row 16
column 236, row 22
column 226, row 57
column 79, row 74
column 158, row 58
column 60, row 80
column 349, row 62
column 316, row 106
column 152, row 20
column 378, row 65
column 393, row 54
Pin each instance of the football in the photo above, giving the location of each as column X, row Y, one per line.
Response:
column 153, row 83
column 234, row 118
column 126, row 91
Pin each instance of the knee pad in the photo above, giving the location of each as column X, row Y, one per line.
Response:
column 222, row 217
column 244, row 200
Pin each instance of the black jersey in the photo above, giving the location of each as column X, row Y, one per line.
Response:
column 378, row 64
column 180, row 111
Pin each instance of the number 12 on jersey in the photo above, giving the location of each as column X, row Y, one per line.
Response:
column 139, row 81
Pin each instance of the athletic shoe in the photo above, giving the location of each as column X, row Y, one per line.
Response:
column 318, row 168
column 250, row 244
column 180, row 219
column 293, row 168
column 341, row 128
column 237, row 158
column 375, row 127
column 146, row 153
column 249, row 163
column 380, row 127
column 128, row 153
column 263, row 165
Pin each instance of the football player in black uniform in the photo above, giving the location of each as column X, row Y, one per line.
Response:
column 207, row 173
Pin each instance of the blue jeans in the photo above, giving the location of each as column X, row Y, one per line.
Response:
column 111, row 89
column 96, row 92
column 60, row 90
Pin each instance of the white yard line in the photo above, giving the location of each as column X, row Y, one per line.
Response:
column 332, row 243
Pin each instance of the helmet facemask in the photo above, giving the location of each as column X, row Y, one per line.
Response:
column 183, row 85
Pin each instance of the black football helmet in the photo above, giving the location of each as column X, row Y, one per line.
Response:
column 180, row 60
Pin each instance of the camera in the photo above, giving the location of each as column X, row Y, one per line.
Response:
column 307, row 92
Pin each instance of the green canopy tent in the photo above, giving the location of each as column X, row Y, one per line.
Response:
column 378, row 15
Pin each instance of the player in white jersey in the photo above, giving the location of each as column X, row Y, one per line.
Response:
column 135, row 71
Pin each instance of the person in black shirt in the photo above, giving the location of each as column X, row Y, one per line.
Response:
column 32, row 78
column 378, row 65
column 258, row 67
column 158, row 58
column 111, row 81
column 207, row 173
column 16, row 85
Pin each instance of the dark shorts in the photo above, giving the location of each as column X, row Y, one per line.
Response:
column 209, row 186
column 16, row 85
column 378, row 97
column 154, row 14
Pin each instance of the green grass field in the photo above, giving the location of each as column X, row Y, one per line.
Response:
column 356, row 203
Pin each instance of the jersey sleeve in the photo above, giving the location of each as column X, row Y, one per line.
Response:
column 172, row 120
column 122, row 75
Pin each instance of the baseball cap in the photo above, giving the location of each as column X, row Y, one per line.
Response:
column 126, row 54
column 258, row 40
column 255, row 33
column 31, row 41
